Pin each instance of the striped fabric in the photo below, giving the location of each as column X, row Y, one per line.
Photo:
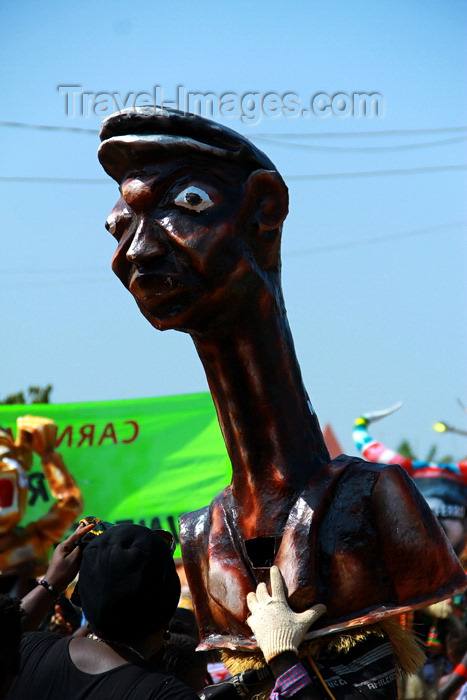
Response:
column 366, row 671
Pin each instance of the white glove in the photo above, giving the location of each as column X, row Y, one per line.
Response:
column 276, row 627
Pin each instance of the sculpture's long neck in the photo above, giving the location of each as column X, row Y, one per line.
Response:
column 272, row 436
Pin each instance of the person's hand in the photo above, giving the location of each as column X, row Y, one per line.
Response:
column 59, row 624
column 66, row 559
column 276, row 627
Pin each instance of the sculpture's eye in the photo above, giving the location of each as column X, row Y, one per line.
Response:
column 194, row 199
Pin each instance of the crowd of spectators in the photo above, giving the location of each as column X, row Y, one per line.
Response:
column 123, row 636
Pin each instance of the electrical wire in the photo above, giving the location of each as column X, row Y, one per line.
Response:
column 44, row 127
column 298, row 135
column 375, row 173
column 359, row 149
column 58, row 180
column 357, row 134
column 296, row 178
column 378, row 239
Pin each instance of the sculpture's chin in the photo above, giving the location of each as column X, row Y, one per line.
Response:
column 173, row 314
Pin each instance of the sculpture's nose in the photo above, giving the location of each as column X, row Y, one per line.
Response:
column 147, row 243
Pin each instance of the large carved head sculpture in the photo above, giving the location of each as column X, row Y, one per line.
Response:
column 199, row 219
column 198, row 229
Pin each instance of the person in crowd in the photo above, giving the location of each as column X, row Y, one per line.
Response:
column 456, row 648
column 10, row 636
column 129, row 591
column 184, row 622
column 63, row 617
column 179, row 657
column 364, row 672
column 444, row 487
column 454, row 684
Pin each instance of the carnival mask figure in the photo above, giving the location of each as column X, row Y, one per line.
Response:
column 13, row 483
column 443, row 484
column 197, row 232
column 25, row 551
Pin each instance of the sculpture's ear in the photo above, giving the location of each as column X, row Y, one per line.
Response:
column 267, row 202
column 268, row 197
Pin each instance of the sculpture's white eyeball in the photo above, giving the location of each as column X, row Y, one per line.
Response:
column 194, row 199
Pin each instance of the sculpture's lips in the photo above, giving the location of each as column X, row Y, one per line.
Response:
column 155, row 282
column 158, row 287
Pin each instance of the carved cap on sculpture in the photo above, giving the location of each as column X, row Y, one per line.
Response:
column 137, row 137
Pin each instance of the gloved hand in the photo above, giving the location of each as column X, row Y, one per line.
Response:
column 276, row 627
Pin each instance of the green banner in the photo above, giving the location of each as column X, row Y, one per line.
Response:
column 145, row 461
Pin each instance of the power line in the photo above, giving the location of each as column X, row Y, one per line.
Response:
column 58, row 180
column 378, row 239
column 375, row 173
column 44, row 127
column 367, row 149
column 357, row 134
column 296, row 178
column 329, row 134
column 79, row 282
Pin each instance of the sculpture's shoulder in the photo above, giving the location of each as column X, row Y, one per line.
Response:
column 379, row 543
column 370, row 481
column 355, row 466
column 378, row 481
column 195, row 526
column 194, row 520
column 379, row 500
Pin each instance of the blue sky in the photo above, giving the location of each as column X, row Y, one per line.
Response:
column 374, row 252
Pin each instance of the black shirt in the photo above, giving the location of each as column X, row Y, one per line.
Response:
column 48, row 673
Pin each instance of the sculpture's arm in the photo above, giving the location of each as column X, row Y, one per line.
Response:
column 40, row 434
column 69, row 502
